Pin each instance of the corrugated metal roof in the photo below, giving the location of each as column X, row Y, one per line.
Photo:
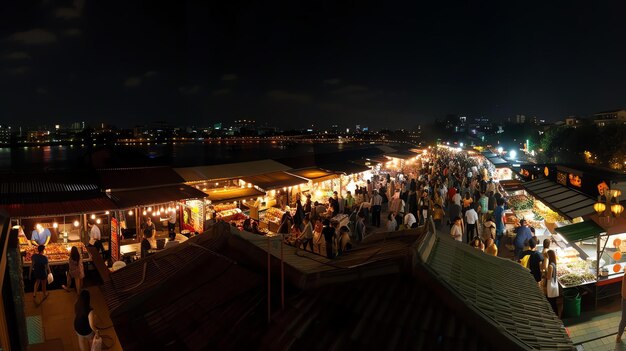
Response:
column 230, row 171
column 565, row 201
column 38, row 209
column 313, row 174
column 347, row 168
column 134, row 178
column 580, row 231
column 499, row 291
column 186, row 297
column 274, row 180
column 142, row 197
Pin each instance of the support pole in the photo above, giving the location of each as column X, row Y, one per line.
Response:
column 269, row 306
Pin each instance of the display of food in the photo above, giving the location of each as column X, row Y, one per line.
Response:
column 521, row 202
column 224, row 207
column 571, row 279
column 274, row 215
column 56, row 253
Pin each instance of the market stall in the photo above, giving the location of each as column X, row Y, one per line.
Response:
column 351, row 175
column 225, row 203
column 280, row 189
column 57, row 253
column 321, row 183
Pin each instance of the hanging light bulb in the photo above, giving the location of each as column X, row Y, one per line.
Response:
column 158, row 213
column 145, row 213
column 93, row 216
column 162, row 209
column 76, row 223
column 98, row 221
column 130, row 213
column 55, row 225
column 149, row 209
column 106, row 213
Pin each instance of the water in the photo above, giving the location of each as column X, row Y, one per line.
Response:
column 179, row 155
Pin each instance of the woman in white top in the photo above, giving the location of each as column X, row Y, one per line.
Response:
column 306, row 237
column 456, row 232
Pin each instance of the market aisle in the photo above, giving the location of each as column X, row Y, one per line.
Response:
column 57, row 315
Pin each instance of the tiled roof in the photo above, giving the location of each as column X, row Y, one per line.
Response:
column 274, row 180
column 135, row 178
column 186, row 297
column 497, row 291
column 24, row 188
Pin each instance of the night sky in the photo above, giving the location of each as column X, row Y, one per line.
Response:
column 293, row 63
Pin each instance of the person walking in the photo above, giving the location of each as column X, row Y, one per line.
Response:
column 498, row 215
column 329, row 236
column 471, row 218
column 40, row 269
column 376, row 203
column 95, row 236
column 551, row 276
column 306, row 237
column 76, row 271
column 84, row 321
column 456, row 232
column 391, row 222
column 360, row 226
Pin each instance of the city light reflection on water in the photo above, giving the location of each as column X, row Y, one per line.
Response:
column 176, row 155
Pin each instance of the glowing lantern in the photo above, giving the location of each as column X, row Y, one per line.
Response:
column 599, row 207
column 617, row 256
column 617, row 242
column 617, row 209
column 616, row 193
column 617, row 268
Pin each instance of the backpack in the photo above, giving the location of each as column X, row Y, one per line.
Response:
column 525, row 261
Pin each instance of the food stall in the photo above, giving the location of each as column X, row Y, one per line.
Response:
column 351, row 175
column 320, row 183
column 57, row 253
column 225, row 203
column 280, row 189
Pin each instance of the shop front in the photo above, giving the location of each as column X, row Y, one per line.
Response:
column 320, row 183
column 227, row 204
column 351, row 176
column 281, row 189
column 164, row 206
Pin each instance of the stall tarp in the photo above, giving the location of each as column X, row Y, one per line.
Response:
column 59, row 208
column 274, row 180
column 233, row 194
column 498, row 162
column 315, row 175
column 347, row 168
column 230, row 171
column 565, row 201
column 144, row 197
column 580, row 231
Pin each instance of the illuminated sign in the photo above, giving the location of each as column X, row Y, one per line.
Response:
column 575, row 180
column 546, row 171
column 561, row 178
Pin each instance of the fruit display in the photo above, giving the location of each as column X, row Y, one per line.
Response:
column 521, row 202
column 56, row 253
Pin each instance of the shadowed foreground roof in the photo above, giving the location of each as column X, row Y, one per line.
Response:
column 185, row 298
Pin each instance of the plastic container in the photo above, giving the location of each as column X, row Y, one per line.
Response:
column 571, row 303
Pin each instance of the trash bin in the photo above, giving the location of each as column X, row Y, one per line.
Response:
column 571, row 303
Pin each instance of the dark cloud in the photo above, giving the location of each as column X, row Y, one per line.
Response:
column 67, row 13
column 37, row 36
column 218, row 92
column 73, row 32
column 230, row 76
column 332, row 81
column 132, row 82
column 16, row 56
column 286, row 96
column 19, row 70
column 190, row 89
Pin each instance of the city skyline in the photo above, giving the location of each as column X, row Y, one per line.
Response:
column 386, row 65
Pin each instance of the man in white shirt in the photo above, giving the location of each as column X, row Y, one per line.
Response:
column 409, row 220
column 95, row 236
column 471, row 218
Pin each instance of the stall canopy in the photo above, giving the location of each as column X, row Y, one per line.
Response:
column 134, row 178
column 565, row 201
column 316, row 175
column 403, row 155
column 580, row 231
column 144, row 197
column 346, row 168
column 274, row 180
column 60, row 207
column 233, row 194
column 498, row 162
column 511, row 185
column 230, row 171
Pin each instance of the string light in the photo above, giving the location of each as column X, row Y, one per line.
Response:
column 98, row 221
column 145, row 213
column 93, row 216
column 55, row 225
column 130, row 213
column 76, row 223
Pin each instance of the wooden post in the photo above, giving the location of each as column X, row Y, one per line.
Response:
column 282, row 274
column 269, row 279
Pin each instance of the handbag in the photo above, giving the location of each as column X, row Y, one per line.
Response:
column 552, row 287
column 50, row 278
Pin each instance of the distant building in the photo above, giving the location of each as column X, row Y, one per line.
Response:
column 609, row 117
column 573, row 121
column 5, row 135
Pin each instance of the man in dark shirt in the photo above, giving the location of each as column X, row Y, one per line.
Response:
column 329, row 234
column 535, row 260
column 454, row 211
column 523, row 235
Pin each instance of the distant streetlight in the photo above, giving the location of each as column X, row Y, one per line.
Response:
column 500, row 150
column 512, row 154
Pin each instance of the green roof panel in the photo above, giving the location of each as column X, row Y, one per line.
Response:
column 580, row 231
